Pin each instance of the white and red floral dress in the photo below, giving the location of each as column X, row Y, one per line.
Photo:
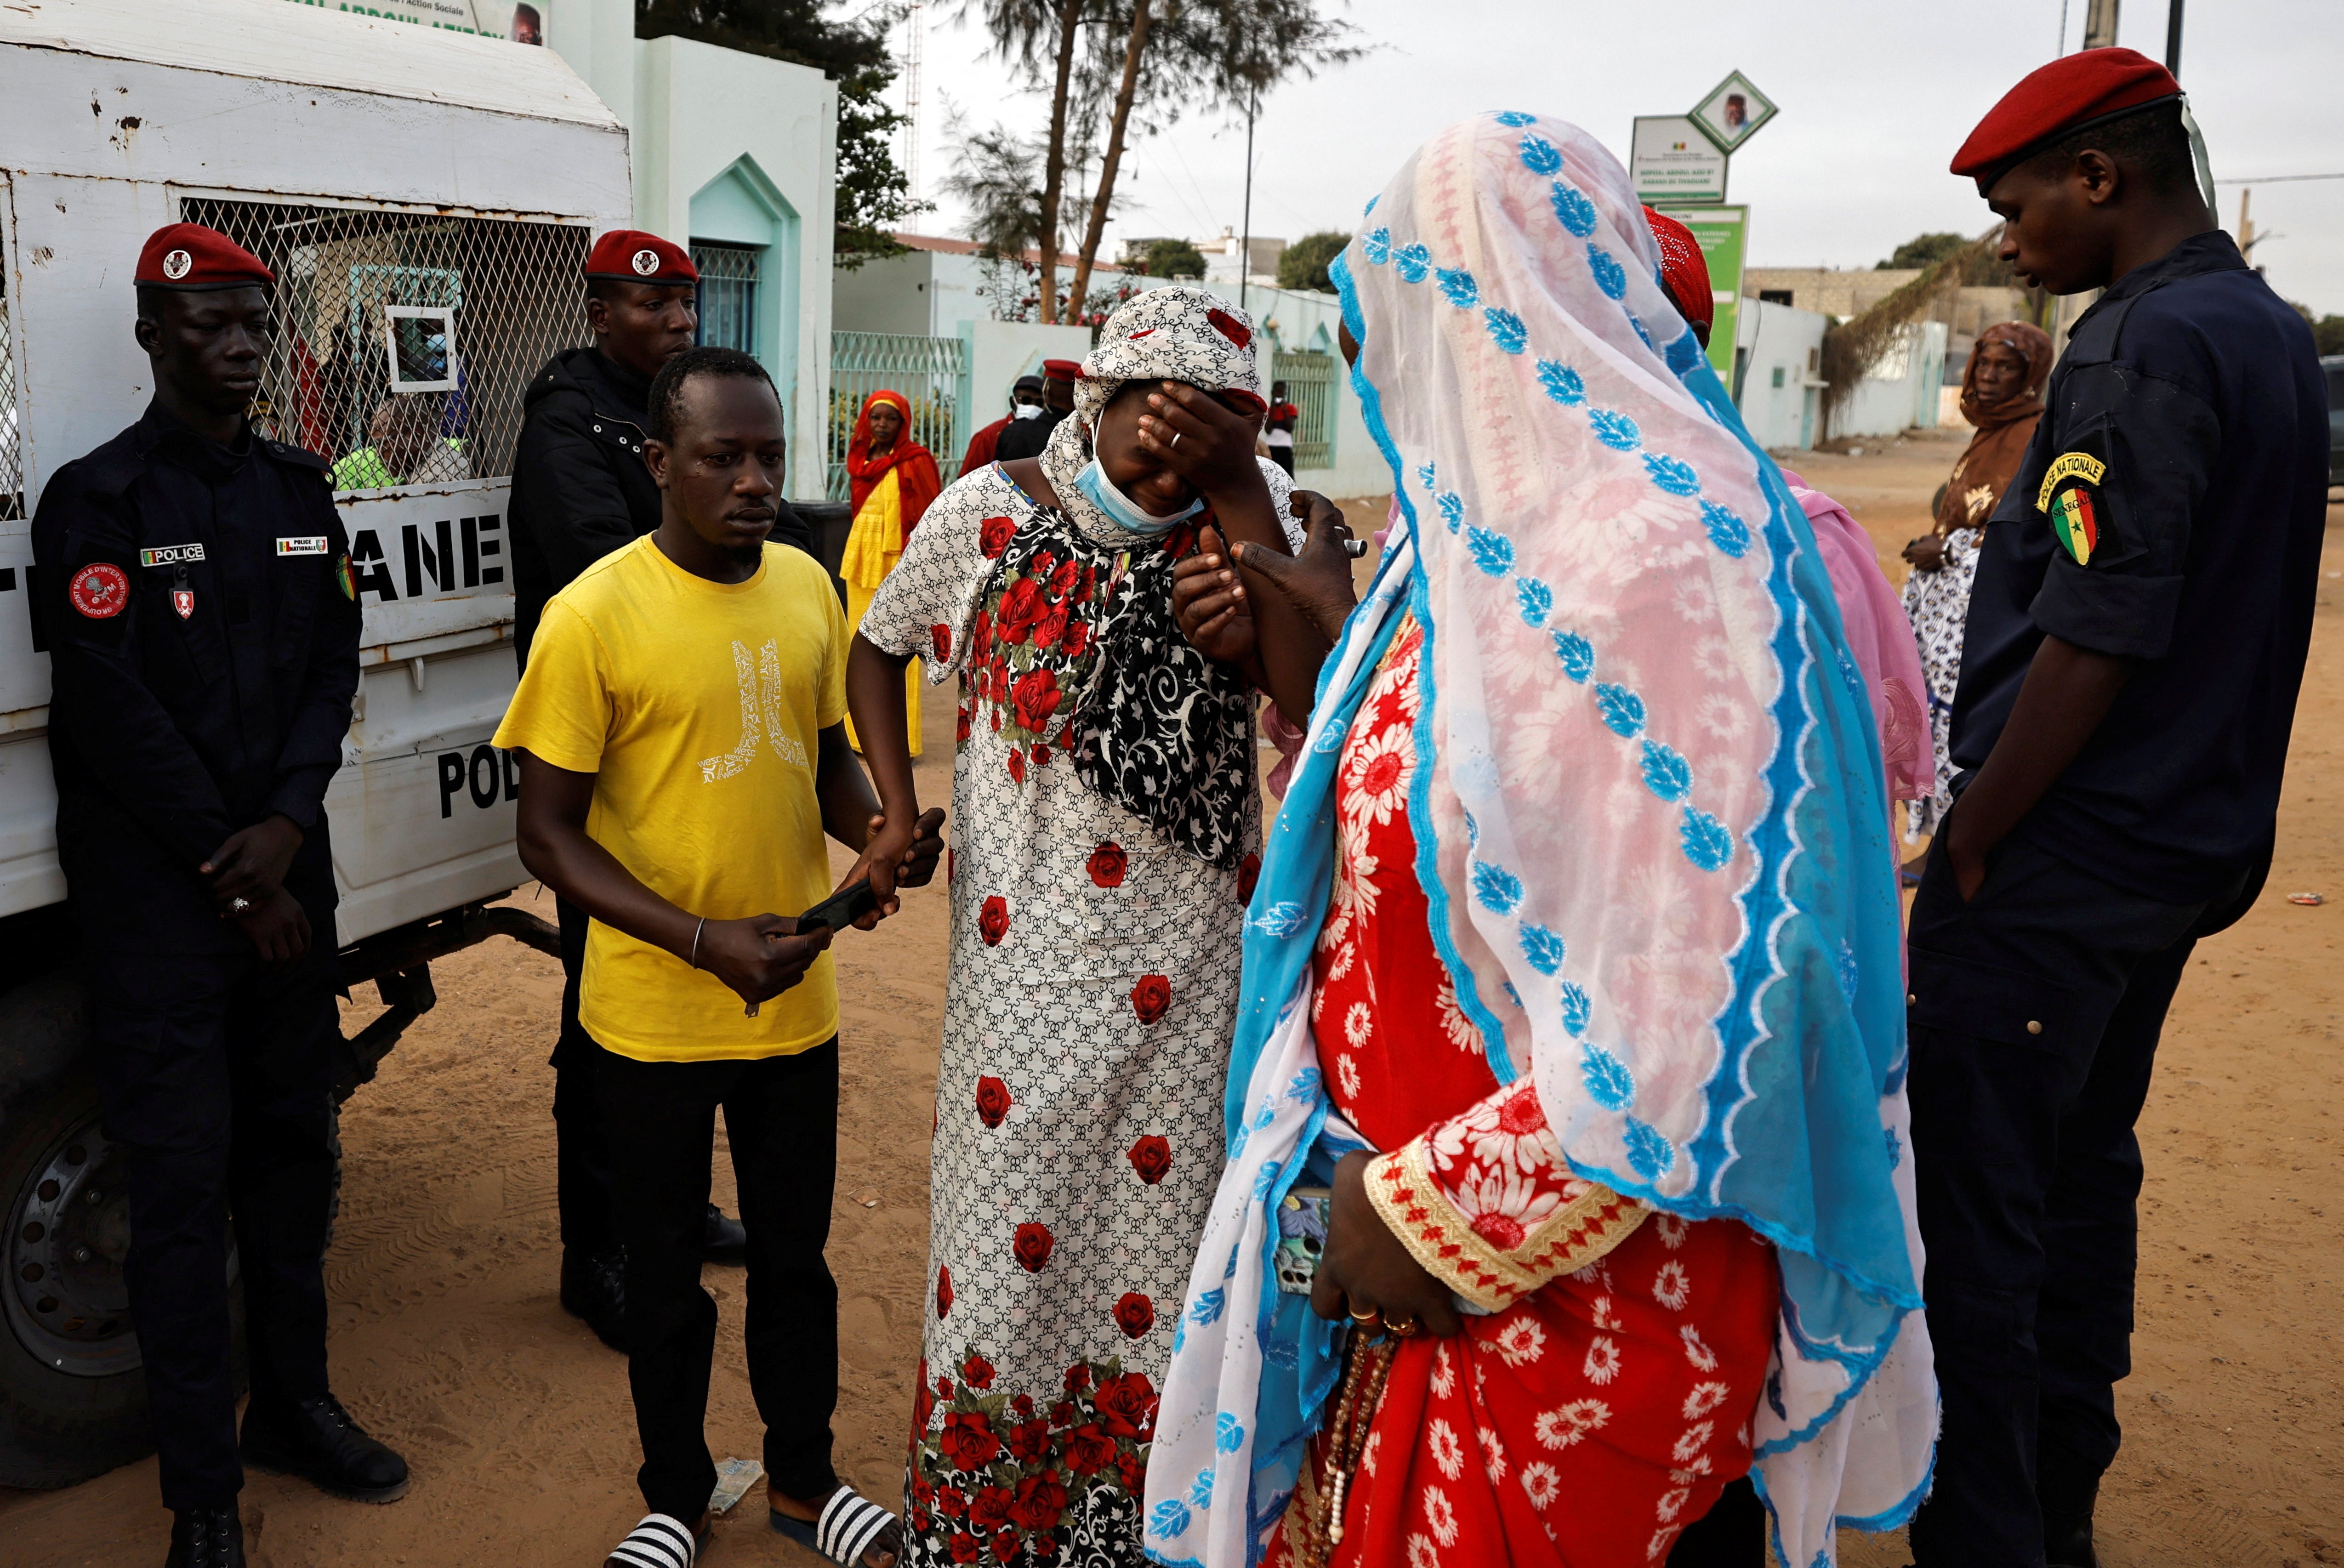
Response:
column 1606, row 1398
column 1091, row 996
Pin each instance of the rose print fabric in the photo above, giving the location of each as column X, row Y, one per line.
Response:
column 1091, row 988
column 1627, row 1348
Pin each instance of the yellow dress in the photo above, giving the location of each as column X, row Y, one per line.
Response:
column 874, row 545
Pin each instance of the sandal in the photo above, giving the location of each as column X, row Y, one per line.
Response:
column 850, row 1525
column 659, row 1541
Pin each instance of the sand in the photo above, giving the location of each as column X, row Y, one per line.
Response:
column 448, row 1340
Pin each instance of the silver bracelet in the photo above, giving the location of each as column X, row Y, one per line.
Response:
column 695, row 940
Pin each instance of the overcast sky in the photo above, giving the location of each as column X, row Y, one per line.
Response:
column 1875, row 95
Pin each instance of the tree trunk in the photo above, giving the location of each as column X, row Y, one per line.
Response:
column 1053, row 163
column 1123, row 93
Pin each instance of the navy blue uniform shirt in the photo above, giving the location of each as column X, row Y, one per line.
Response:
column 204, row 649
column 2169, row 510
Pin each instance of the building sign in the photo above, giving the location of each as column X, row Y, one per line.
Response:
column 1733, row 112
column 1672, row 159
column 523, row 21
column 1723, row 235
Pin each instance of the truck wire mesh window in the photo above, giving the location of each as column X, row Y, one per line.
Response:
column 727, row 295
column 488, row 301
column 12, row 436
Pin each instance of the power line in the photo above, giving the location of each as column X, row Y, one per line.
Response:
column 2280, row 179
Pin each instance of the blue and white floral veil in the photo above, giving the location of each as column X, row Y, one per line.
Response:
column 1650, row 825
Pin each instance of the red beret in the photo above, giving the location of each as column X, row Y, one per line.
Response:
column 2067, row 96
column 1062, row 369
column 1684, row 270
column 639, row 257
column 190, row 256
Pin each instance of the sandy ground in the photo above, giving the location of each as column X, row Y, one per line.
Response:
column 448, row 1340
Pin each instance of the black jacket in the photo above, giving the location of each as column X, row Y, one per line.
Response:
column 579, row 489
column 2170, row 511
column 202, row 639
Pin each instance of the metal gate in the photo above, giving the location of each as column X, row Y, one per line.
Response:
column 1310, row 386
column 932, row 373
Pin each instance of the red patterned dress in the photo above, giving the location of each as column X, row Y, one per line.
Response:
column 1605, row 1400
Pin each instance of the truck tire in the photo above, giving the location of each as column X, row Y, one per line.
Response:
column 73, row 1391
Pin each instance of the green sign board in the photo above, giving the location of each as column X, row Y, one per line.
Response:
column 1723, row 235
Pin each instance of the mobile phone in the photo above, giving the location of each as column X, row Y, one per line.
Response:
column 1301, row 1237
column 842, row 909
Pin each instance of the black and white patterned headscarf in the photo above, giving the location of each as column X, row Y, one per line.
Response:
column 1161, row 728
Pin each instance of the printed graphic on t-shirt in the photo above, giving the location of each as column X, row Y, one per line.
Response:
column 760, row 711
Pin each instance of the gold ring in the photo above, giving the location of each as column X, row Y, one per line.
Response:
column 1370, row 1316
column 1406, row 1331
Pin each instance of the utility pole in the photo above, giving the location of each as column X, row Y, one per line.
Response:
column 915, row 48
column 1244, row 246
column 2100, row 24
column 2246, row 225
column 2173, row 37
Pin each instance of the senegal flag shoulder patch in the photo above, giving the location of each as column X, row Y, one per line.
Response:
column 2069, row 498
column 342, row 578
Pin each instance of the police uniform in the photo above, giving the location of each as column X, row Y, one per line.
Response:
column 203, row 635
column 2169, row 512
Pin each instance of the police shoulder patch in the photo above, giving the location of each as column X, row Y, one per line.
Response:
column 99, row 591
column 2069, row 498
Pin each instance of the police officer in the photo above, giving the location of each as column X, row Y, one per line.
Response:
column 581, row 491
column 1025, row 437
column 2135, row 639
column 203, row 634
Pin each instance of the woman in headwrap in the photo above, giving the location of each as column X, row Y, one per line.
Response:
column 1573, row 967
column 891, row 480
column 1108, row 830
column 2001, row 396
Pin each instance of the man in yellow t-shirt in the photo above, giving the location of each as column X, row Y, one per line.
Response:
column 683, row 755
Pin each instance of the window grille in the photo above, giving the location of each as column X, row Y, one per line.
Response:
column 930, row 372
column 462, row 311
column 1310, row 386
column 12, row 428
column 727, row 295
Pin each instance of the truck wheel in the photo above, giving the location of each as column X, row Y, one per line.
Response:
column 73, row 1395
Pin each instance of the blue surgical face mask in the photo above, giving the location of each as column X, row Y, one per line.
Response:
column 1127, row 513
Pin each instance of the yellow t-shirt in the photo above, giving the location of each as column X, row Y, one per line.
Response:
column 698, row 707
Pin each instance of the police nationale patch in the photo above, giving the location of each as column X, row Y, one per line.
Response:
column 2070, row 498
column 99, row 591
column 304, row 544
column 2067, row 466
column 2076, row 522
column 170, row 554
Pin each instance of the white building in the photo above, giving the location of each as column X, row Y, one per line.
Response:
column 734, row 155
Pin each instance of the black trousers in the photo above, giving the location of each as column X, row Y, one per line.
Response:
column 2036, row 1013
column 218, row 1082
column 581, row 1153
column 782, row 1115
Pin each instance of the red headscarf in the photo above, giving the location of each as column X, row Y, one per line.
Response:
column 918, row 481
column 1684, row 271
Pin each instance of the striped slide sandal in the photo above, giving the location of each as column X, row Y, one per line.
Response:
column 850, row 1526
column 659, row 1541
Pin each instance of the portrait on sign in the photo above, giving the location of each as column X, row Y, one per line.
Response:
column 1733, row 112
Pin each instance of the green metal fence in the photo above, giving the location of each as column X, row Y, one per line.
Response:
column 932, row 373
column 1310, row 386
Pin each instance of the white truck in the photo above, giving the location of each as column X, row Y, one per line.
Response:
column 426, row 200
